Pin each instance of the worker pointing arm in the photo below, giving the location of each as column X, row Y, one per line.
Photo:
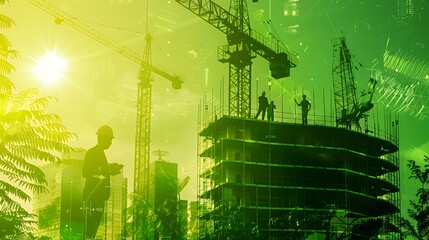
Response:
column 305, row 108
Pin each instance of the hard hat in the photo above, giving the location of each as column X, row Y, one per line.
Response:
column 105, row 130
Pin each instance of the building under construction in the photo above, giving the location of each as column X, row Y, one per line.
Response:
column 283, row 180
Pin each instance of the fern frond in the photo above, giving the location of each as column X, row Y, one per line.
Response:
column 15, row 166
column 6, row 67
column 23, row 99
column 5, row 21
column 40, row 103
column 13, row 190
column 6, row 85
column 7, row 202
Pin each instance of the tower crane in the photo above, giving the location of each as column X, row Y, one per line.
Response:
column 144, row 100
column 243, row 45
column 347, row 107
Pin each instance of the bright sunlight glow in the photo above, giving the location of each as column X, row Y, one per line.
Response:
column 50, row 68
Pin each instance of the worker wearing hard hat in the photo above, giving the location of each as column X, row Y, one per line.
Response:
column 97, row 172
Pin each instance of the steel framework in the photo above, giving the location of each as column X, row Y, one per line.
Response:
column 243, row 45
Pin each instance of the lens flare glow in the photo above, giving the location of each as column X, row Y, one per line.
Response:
column 50, row 68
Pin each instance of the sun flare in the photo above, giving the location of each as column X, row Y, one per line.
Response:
column 50, row 68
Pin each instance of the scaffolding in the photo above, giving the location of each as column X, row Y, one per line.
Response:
column 283, row 180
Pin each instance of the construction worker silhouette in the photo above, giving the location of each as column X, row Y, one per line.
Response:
column 305, row 108
column 263, row 104
column 270, row 111
column 97, row 172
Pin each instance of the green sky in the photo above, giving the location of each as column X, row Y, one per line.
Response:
column 100, row 84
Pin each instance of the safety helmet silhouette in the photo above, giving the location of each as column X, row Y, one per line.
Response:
column 105, row 130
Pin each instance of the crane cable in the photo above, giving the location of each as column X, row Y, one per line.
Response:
column 108, row 26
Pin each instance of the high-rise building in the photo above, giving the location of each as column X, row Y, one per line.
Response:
column 163, row 200
column 60, row 210
column 278, row 180
column 192, row 220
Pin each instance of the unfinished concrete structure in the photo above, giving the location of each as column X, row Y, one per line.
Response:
column 279, row 180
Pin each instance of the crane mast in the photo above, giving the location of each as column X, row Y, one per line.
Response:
column 348, row 109
column 344, row 82
column 144, row 107
column 142, row 144
column 239, row 58
column 243, row 45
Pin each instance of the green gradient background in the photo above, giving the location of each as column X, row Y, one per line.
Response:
column 100, row 84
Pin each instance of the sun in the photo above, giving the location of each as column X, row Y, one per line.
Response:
column 50, row 68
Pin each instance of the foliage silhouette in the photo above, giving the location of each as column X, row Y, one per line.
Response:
column 157, row 219
column 419, row 211
column 48, row 215
column 27, row 135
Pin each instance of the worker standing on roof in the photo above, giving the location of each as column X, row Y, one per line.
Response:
column 270, row 112
column 263, row 104
column 97, row 172
column 305, row 108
